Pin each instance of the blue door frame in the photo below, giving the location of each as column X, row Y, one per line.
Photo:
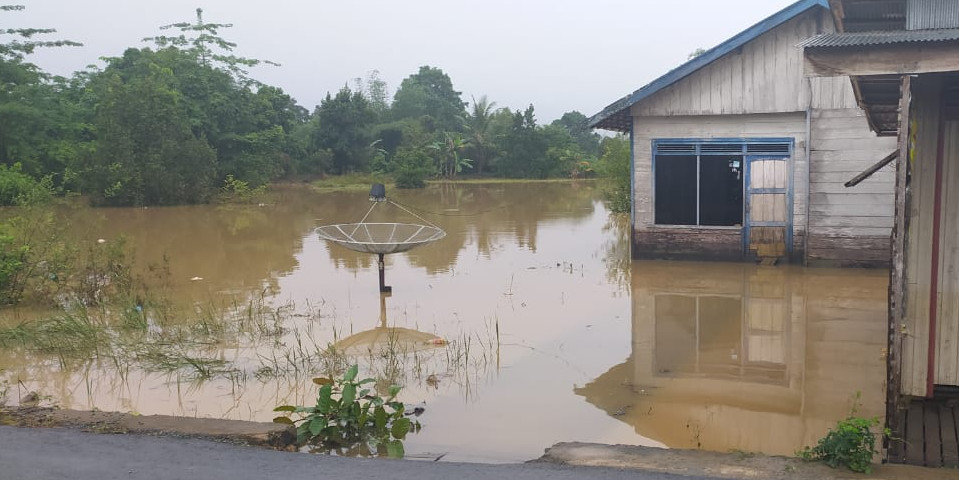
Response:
column 787, row 191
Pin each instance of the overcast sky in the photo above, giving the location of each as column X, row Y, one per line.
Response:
column 559, row 55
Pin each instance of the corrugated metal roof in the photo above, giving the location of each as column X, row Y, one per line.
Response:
column 616, row 111
column 872, row 15
column 861, row 39
column 923, row 14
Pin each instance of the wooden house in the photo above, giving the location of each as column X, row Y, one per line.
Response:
column 903, row 59
column 736, row 154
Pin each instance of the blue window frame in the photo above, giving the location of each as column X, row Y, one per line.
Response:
column 701, row 182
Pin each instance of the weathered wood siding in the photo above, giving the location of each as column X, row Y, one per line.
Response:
column 653, row 241
column 947, row 324
column 848, row 226
column 763, row 76
column 922, row 161
column 759, row 91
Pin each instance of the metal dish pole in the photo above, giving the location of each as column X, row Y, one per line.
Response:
column 382, row 264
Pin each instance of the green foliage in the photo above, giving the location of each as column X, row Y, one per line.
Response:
column 17, row 188
column 429, row 93
column 851, row 444
column 524, row 148
column 614, row 167
column 343, row 125
column 350, row 417
column 478, row 128
column 238, row 191
column 171, row 123
column 576, row 124
column 201, row 40
column 38, row 263
column 153, row 159
column 13, row 260
column 34, row 256
column 449, row 160
column 24, row 43
column 413, row 167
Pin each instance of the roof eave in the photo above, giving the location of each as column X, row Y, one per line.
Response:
column 705, row 59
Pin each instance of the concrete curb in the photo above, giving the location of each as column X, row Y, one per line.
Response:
column 252, row 433
column 737, row 465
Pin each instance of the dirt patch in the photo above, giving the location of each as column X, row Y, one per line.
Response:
column 234, row 431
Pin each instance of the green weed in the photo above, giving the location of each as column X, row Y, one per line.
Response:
column 851, row 444
column 350, row 418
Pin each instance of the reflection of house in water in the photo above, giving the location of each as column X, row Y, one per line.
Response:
column 730, row 356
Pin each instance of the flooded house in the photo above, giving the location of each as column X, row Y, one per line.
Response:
column 738, row 155
column 903, row 60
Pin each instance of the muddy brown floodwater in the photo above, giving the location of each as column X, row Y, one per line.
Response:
column 549, row 333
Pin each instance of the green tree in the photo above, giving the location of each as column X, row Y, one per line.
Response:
column 524, row 148
column 614, row 167
column 34, row 121
column 577, row 125
column 201, row 40
column 429, row 95
column 250, row 125
column 147, row 152
column 376, row 92
column 344, row 123
column 478, row 129
column 564, row 157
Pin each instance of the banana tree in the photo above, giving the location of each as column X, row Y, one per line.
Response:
column 449, row 148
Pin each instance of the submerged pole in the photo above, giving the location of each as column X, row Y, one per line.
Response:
column 382, row 265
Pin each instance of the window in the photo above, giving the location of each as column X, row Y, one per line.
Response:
column 700, row 182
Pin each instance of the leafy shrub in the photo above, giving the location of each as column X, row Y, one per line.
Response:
column 39, row 263
column 851, row 444
column 413, row 166
column 18, row 188
column 351, row 418
column 238, row 191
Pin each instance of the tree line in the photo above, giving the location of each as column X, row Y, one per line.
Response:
column 179, row 120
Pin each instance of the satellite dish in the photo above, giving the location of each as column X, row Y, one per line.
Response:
column 381, row 238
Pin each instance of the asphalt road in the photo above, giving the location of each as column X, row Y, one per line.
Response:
column 54, row 454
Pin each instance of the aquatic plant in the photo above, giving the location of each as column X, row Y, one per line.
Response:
column 350, row 418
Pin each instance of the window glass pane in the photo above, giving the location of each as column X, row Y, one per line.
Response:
column 721, row 190
column 675, row 194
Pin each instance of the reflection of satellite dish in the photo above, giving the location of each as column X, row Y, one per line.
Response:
column 383, row 338
column 381, row 238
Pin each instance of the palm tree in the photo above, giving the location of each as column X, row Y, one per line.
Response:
column 477, row 127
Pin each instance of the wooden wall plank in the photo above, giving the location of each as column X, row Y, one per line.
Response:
column 915, row 343
column 763, row 76
column 947, row 325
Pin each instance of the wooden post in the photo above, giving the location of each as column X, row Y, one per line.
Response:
column 382, row 265
column 897, row 275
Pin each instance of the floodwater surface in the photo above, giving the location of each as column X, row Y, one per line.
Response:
column 526, row 326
